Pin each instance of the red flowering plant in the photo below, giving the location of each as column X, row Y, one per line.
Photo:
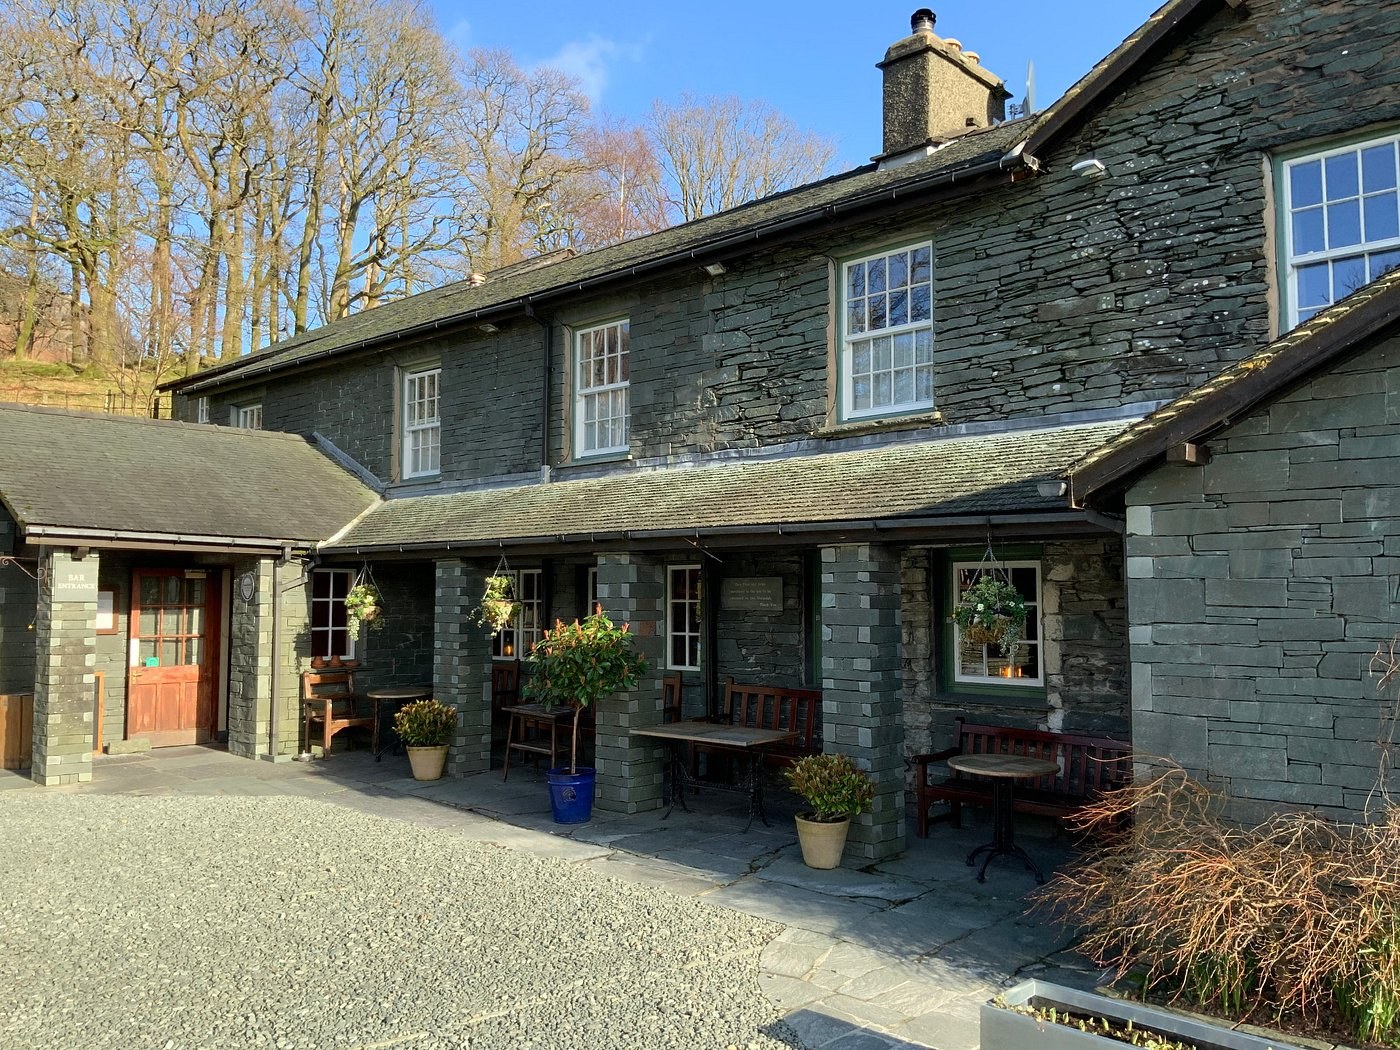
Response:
column 579, row 663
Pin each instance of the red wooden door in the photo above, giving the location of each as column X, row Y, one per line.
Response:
column 174, row 654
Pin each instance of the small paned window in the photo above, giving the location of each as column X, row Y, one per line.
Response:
column 603, row 368
column 517, row 638
column 1341, row 222
column 980, row 664
column 201, row 410
column 592, row 596
column 422, row 425
column 329, row 636
column 887, row 333
column 248, row 417
column 683, row 618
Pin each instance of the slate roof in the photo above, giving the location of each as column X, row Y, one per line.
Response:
column 64, row 470
column 942, row 478
column 976, row 153
column 1235, row 392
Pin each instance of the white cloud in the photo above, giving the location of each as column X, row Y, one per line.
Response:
column 590, row 60
column 459, row 33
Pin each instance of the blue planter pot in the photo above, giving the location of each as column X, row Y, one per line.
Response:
column 571, row 794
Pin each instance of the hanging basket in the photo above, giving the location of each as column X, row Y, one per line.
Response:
column 988, row 633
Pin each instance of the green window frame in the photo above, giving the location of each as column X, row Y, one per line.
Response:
column 952, row 676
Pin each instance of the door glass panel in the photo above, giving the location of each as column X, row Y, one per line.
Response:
column 170, row 652
column 145, row 650
column 172, row 590
column 194, row 592
column 194, row 623
column 150, row 590
column 194, row 650
column 150, row 622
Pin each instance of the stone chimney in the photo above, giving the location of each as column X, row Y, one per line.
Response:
column 934, row 91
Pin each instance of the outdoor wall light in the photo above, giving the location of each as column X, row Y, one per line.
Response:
column 716, row 269
column 488, row 328
column 1052, row 488
column 1092, row 168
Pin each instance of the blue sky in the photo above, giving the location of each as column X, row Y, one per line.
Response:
column 814, row 61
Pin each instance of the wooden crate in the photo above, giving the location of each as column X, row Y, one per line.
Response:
column 16, row 730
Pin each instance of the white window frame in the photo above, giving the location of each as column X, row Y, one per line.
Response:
column 688, row 627
column 1373, row 255
column 857, row 336
column 515, row 640
column 1033, row 614
column 593, row 598
column 422, row 422
column 609, row 393
column 201, row 410
column 322, row 612
column 248, row 417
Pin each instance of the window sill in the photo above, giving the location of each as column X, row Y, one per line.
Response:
column 879, row 424
column 582, row 462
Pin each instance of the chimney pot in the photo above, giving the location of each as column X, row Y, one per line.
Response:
column 952, row 43
column 972, row 56
column 923, row 20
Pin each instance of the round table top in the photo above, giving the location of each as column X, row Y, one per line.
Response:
column 1012, row 767
column 400, row 692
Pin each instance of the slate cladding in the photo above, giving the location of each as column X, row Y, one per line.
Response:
column 124, row 474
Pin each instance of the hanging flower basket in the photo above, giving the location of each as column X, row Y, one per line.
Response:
column 363, row 605
column 498, row 605
column 992, row 612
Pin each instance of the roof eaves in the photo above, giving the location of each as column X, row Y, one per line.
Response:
column 1239, row 389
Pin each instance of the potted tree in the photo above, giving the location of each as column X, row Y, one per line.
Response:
column 992, row 612
column 579, row 664
column 426, row 728
column 363, row 605
column 837, row 790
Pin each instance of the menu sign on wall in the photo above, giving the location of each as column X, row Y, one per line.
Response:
column 752, row 594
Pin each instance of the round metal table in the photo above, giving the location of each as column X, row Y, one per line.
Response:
column 1003, row 771
column 397, row 695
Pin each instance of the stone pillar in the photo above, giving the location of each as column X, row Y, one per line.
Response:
column 65, row 655
column 293, row 636
column 632, row 588
column 861, row 708
column 250, row 659
column 461, row 663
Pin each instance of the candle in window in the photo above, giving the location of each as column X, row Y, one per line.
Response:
column 509, row 649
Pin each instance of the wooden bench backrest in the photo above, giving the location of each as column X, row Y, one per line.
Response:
column 317, row 685
column 505, row 684
column 776, row 707
column 672, row 692
column 1088, row 765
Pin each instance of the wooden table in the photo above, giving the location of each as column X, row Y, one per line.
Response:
column 555, row 718
column 397, row 695
column 1004, row 771
column 744, row 740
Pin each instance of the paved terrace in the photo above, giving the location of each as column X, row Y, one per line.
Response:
column 897, row 955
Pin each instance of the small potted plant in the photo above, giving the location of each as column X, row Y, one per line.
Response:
column 992, row 612
column 837, row 790
column 579, row 664
column 498, row 605
column 363, row 605
column 426, row 728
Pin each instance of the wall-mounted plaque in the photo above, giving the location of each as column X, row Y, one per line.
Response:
column 75, row 581
column 752, row 594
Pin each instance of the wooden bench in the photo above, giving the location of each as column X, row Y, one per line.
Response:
column 1089, row 766
column 777, row 707
column 329, row 698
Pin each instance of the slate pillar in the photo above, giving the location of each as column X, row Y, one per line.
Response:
column 65, row 656
column 632, row 588
column 462, row 663
column 250, row 660
column 862, row 713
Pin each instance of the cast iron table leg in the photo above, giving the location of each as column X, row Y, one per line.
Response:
column 680, row 772
column 755, row 786
column 1003, row 842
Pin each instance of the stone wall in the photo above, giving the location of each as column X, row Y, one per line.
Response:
column 1259, row 587
column 65, row 640
column 19, row 596
column 398, row 648
column 258, row 723
column 1084, row 649
column 1055, row 294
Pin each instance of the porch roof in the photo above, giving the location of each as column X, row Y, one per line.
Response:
column 79, row 476
column 921, row 483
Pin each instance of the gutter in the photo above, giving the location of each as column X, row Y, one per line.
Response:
column 684, row 257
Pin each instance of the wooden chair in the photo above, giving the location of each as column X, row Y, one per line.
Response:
column 505, row 684
column 328, row 698
column 672, row 692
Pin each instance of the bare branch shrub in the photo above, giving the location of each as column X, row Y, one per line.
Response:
column 1286, row 920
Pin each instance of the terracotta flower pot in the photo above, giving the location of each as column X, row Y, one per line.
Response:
column 822, row 842
column 427, row 763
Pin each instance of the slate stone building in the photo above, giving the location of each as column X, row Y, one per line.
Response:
column 779, row 439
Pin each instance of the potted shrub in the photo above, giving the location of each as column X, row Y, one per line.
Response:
column 426, row 728
column 363, row 605
column 579, row 664
column 837, row 790
column 498, row 605
column 992, row 612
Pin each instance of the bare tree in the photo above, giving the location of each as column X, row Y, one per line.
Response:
column 718, row 153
